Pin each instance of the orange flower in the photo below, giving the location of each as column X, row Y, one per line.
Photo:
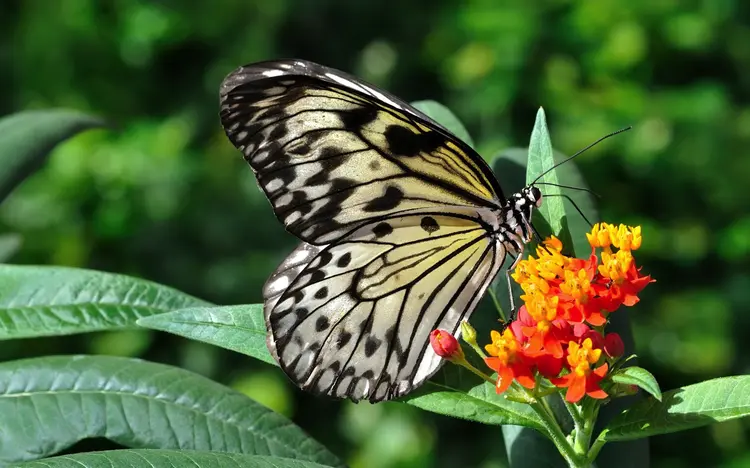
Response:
column 582, row 379
column 544, row 333
column 623, row 237
column 506, row 360
column 564, row 298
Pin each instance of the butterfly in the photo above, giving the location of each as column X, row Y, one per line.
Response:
column 403, row 226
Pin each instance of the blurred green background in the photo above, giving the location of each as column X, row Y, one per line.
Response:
column 164, row 195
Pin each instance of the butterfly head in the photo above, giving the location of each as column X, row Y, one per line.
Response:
column 533, row 195
column 524, row 202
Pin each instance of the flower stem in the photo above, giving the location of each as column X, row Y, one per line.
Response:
column 575, row 413
column 596, row 447
column 556, row 435
column 467, row 365
column 496, row 301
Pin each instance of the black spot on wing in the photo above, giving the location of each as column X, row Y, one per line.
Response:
column 324, row 259
column 357, row 118
column 278, row 132
column 321, row 323
column 388, row 201
column 371, row 345
column 429, row 224
column 344, row 260
column 298, row 295
column 382, row 229
column 321, row 293
column 343, row 339
column 404, row 142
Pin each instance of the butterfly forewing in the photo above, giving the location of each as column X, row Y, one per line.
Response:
column 396, row 214
column 330, row 156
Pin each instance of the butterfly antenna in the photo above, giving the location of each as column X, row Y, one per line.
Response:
column 582, row 189
column 580, row 152
column 575, row 205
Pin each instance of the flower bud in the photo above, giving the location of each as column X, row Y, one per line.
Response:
column 613, row 345
column 468, row 333
column 445, row 345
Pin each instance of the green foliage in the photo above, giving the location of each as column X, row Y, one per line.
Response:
column 48, row 301
column 458, row 393
column 168, row 199
column 687, row 407
column 639, row 377
column 50, row 403
column 540, row 160
column 165, row 459
column 26, row 138
column 239, row 328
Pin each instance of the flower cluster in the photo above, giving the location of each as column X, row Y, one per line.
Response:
column 558, row 332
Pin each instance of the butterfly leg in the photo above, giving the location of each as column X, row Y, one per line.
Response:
column 511, row 317
column 513, row 311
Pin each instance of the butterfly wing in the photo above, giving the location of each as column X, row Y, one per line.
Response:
column 396, row 215
column 332, row 153
column 352, row 319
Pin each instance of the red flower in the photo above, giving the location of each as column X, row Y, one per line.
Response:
column 582, row 379
column 507, row 360
column 542, row 336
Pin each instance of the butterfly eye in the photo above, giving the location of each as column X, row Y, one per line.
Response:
column 536, row 196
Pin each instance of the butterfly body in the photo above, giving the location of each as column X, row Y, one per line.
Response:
column 403, row 226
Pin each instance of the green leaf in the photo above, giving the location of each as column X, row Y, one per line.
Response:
column 456, row 392
column 165, row 459
column 50, row 403
column 240, row 328
column 446, row 118
column 541, row 159
column 640, row 377
column 45, row 301
column 688, row 407
column 26, row 138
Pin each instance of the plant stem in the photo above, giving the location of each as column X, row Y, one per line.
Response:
column 575, row 413
column 596, row 447
column 496, row 301
column 556, row 435
column 467, row 365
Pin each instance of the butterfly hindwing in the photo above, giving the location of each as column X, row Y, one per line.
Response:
column 355, row 321
column 332, row 153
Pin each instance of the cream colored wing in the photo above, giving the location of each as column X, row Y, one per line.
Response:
column 352, row 319
column 333, row 153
